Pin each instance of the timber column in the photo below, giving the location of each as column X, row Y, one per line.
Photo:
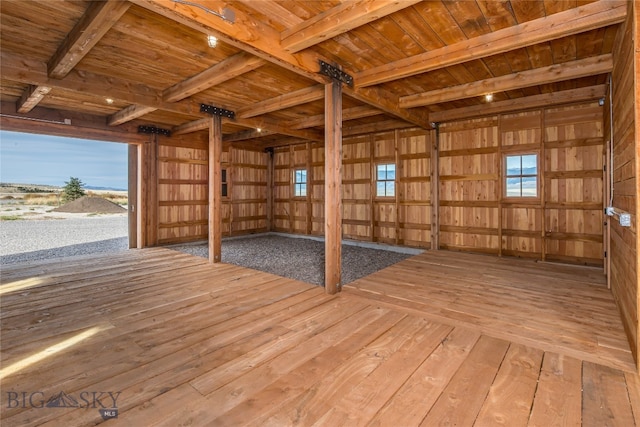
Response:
column 332, row 187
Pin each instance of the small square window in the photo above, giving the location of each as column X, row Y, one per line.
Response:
column 521, row 175
column 386, row 180
column 300, row 183
column 224, row 182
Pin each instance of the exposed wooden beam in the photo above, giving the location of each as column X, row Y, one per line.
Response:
column 190, row 127
column 31, row 97
column 94, row 24
column 535, row 101
column 35, row 72
column 127, row 114
column 276, row 127
column 348, row 114
column 48, row 121
column 337, row 20
column 573, row 21
column 375, row 127
column 228, row 69
column 246, row 134
column 215, row 189
column 292, row 99
column 538, row 76
column 389, row 103
column 263, row 41
column 332, row 187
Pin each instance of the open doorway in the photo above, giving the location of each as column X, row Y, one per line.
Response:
column 61, row 197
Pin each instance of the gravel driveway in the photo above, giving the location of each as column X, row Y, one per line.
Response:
column 30, row 240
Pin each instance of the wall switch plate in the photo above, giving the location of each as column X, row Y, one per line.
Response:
column 625, row 220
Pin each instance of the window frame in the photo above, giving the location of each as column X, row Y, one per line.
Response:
column 505, row 177
column 298, row 184
column 394, row 180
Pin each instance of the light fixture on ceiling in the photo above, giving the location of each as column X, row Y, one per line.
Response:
column 109, row 100
column 488, row 97
column 259, row 130
column 212, row 41
column 226, row 14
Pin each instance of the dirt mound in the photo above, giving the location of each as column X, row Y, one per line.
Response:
column 88, row 204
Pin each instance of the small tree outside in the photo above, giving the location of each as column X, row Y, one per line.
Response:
column 72, row 190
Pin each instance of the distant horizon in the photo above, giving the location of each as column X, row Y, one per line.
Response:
column 36, row 184
column 50, row 160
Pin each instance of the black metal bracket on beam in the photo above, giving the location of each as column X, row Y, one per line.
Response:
column 217, row 111
column 335, row 73
column 154, row 130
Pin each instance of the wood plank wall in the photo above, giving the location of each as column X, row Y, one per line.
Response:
column 563, row 224
column 183, row 196
column 626, row 152
column 401, row 220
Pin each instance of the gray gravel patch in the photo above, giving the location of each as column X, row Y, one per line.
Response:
column 297, row 258
column 31, row 240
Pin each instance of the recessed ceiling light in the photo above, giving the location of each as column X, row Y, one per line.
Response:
column 259, row 130
column 212, row 41
column 109, row 101
column 488, row 97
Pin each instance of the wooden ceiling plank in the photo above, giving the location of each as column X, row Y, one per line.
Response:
column 569, row 70
column 225, row 70
column 127, row 114
column 574, row 21
column 263, row 41
column 94, row 24
column 31, row 96
column 339, row 20
column 535, row 101
column 299, row 97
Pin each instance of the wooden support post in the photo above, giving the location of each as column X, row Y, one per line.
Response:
column 435, row 189
column 215, row 190
column 270, row 182
column 332, row 187
column 133, row 196
column 149, row 189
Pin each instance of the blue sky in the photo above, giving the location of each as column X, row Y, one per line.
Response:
column 50, row 160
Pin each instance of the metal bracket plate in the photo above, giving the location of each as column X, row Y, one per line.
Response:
column 217, row 111
column 154, row 130
column 335, row 73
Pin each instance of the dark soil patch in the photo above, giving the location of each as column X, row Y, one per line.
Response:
column 88, row 204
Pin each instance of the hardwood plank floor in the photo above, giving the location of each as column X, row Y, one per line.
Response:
column 165, row 338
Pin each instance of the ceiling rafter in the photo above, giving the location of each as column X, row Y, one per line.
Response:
column 34, row 72
column 246, row 134
column 94, row 24
column 132, row 112
column 573, row 21
column 339, row 20
column 263, row 41
column 291, row 99
column 538, row 76
column 221, row 72
column 31, row 97
column 527, row 102
column 347, row 114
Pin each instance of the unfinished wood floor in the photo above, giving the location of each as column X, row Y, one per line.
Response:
column 167, row 339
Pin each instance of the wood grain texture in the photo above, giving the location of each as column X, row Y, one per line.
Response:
column 186, row 342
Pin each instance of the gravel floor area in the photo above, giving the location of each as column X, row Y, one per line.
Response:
column 31, row 240
column 297, row 258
